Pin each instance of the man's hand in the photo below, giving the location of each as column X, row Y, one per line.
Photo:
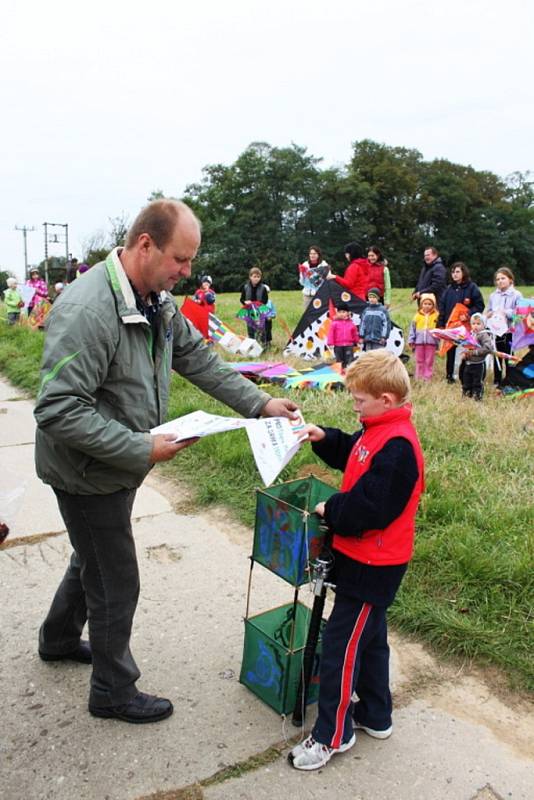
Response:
column 280, row 407
column 319, row 509
column 415, row 296
column 164, row 448
column 311, row 433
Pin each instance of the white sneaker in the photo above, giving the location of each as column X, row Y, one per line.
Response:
column 385, row 734
column 310, row 754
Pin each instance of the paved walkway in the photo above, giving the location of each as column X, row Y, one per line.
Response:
column 454, row 738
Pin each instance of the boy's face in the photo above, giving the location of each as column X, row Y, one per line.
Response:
column 373, row 299
column 477, row 325
column 427, row 306
column 367, row 405
column 205, row 286
column 255, row 279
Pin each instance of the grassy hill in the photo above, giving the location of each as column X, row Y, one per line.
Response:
column 469, row 590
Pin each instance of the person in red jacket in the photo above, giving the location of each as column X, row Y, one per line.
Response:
column 373, row 523
column 356, row 276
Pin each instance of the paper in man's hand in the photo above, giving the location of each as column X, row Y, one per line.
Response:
column 273, row 440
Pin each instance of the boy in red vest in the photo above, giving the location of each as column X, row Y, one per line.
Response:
column 373, row 522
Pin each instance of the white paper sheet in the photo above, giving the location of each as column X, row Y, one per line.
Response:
column 273, row 440
column 198, row 424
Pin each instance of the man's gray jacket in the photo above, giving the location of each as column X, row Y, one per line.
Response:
column 102, row 389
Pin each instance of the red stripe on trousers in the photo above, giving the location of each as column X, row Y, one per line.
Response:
column 348, row 673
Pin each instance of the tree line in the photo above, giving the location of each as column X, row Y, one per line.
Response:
column 272, row 203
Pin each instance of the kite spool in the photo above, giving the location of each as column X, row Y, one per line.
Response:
column 287, row 537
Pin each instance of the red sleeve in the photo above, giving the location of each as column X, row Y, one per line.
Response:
column 355, row 278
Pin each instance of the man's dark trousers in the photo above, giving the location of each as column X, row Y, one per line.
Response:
column 101, row 585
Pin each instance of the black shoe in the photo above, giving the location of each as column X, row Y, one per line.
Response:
column 82, row 654
column 143, row 708
column 450, row 379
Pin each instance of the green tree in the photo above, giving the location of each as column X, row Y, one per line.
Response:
column 257, row 212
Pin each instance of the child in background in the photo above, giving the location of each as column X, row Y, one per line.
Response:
column 342, row 336
column 421, row 340
column 375, row 324
column 40, row 288
column 502, row 302
column 373, row 521
column 474, row 367
column 13, row 300
column 254, row 294
column 204, row 295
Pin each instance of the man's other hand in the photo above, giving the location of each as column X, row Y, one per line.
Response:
column 280, row 407
column 164, row 448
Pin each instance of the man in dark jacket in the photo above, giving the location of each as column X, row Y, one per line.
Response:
column 433, row 275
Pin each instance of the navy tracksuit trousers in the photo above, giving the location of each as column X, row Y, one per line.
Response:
column 355, row 658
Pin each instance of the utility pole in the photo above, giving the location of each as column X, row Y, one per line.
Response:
column 55, row 239
column 25, row 230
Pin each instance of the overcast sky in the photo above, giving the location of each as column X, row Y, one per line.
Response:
column 104, row 102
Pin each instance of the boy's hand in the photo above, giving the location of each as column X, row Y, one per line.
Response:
column 319, row 509
column 312, row 433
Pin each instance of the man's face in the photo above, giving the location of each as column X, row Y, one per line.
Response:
column 429, row 256
column 163, row 269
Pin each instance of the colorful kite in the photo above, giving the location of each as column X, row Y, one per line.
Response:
column 255, row 316
column 459, row 335
column 308, row 340
column 197, row 314
column 324, row 377
column 523, row 324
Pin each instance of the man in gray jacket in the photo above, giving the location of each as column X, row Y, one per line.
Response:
column 113, row 338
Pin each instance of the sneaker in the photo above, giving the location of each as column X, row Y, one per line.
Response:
column 310, row 754
column 385, row 734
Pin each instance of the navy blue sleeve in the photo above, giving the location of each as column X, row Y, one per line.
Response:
column 336, row 447
column 379, row 496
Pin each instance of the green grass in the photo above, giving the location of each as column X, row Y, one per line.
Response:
column 470, row 589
